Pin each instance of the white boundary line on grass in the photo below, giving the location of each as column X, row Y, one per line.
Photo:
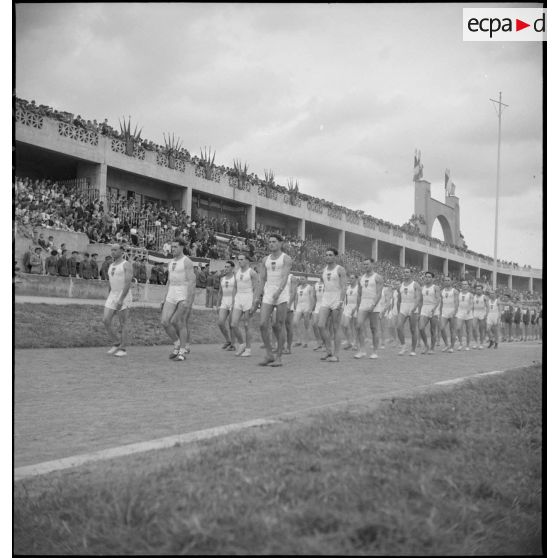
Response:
column 27, row 471
column 129, row 449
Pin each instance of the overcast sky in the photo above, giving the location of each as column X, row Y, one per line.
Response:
column 336, row 96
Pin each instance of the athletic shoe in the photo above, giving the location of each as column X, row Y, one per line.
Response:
column 187, row 349
column 445, row 349
column 305, row 346
column 480, row 347
column 373, row 356
column 474, row 347
column 332, row 358
column 112, row 350
column 460, row 347
column 431, row 352
column 360, row 354
column 382, row 346
column 467, row 348
column 347, row 347
column 120, row 353
column 490, row 343
column 423, row 352
column 240, row 349
column 231, row 347
column 226, row 345
column 450, row 350
column 318, row 348
column 246, row 353
column 412, row 353
column 180, row 356
column 297, row 344
column 174, row 354
column 495, row 345
column 326, row 356
column 403, row 350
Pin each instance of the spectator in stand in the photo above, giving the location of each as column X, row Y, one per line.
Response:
column 50, row 244
column 94, row 267
column 202, row 278
column 105, row 267
column 64, row 264
column 85, row 270
column 51, row 263
column 42, row 242
column 36, row 263
column 73, row 264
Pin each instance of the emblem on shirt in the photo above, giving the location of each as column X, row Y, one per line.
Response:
column 366, row 282
column 329, row 276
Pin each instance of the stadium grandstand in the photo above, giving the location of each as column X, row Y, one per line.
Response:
column 87, row 185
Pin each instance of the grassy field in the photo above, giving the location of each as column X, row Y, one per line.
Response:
column 453, row 472
column 40, row 326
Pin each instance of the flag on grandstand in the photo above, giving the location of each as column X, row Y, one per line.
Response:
column 417, row 167
column 449, row 185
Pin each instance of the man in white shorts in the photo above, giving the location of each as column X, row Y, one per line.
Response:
column 348, row 320
column 407, row 305
column 334, row 277
column 178, row 300
column 225, row 302
column 384, row 308
column 428, row 311
column 120, row 274
column 493, row 319
column 274, row 276
column 464, row 315
column 370, row 286
column 318, row 295
column 303, row 311
column 245, row 303
column 480, row 312
column 449, row 304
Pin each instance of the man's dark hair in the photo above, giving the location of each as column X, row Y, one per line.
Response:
column 51, row 237
column 54, row 253
column 38, row 248
column 180, row 241
column 371, row 260
column 75, row 252
column 276, row 236
column 429, row 273
column 334, row 250
column 86, row 254
column 230, row 262
column 94, row 255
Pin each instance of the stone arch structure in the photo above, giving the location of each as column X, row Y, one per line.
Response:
column 430, row 209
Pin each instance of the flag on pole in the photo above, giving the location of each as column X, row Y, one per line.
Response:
column 417, row 167
column 449, row 185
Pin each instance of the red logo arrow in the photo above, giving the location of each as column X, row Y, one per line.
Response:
column 519, row 25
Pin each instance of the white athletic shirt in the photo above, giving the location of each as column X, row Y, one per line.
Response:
column 274, row 270
column 448, row 298
column 465, row 302
column 319, row 294
column 407, row 293
column 117, row 276
column 368, row 287
column 227, row 285
column 352, row 294
column 177, row 277
column 303, row 294
column 428, row 295
column 243, row 282
column 478, row 303
column 493, row 309
column 332, row 281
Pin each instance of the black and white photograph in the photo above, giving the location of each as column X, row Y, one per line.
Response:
column 279, row 278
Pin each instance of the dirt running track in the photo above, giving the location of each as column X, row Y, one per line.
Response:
column 74, row 401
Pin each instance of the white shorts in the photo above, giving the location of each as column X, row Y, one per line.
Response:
column 464, row 315
column 269, row 291
column 243, row 301
column 113, row 297
column 426, row 311
column 331, row 301
column 479, row 315
column 406, row 307
column 492, row 320
column 176, row 294
column 226, row 304
column 347, row 311
column 447, row 314
column 366, row 306
column 302, row 308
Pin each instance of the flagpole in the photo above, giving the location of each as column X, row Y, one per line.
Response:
column 495, row 268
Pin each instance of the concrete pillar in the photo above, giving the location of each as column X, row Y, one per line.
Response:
column 531, row 284
column 251, row 217
column 462, row 270
column 186, row 201
column 341, row 242
column 402, row 256
column 510, row 281
column 425, row 262
column 97, row 175
column 446, row 266
column 374, row 252
column 302, row 229
column 478, row 272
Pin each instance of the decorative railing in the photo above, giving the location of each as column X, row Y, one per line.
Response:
column 335, row 212
column 268, row 192
column 29, row 119
column 422, row 241
column 78, row 134
column 292, row 200
column 316, row 207
column 176, row 164
column 397, row 233
column 119, row 146
column 384, row 229
column 352, row 218
column 235, row 183
column 215, row 175
column 410, row 236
